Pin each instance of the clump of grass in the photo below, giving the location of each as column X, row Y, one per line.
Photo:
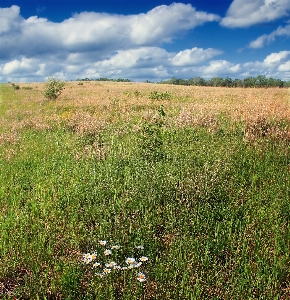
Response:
column 261, row 128
column 9, row 138
column 155, row 95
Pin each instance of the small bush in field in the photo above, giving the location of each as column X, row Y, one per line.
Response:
column 53, row 88
column 15, row 86
column 160, row 96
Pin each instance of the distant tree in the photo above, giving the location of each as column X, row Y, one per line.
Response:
column 238, row 83
column 216, row 81
column 249, row 82
column 261, row 81
column 228, row 82
column 199, row 81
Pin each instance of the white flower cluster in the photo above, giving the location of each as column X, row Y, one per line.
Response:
column 110, row 265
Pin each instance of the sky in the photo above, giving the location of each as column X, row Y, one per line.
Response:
column 151, row 40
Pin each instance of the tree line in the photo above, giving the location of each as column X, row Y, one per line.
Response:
column 105, row 79
column 260, row 81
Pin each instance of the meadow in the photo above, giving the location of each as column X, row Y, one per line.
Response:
column 144, row 191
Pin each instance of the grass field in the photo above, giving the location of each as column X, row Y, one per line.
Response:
column 190, row 183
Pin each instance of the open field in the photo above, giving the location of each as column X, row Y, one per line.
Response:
column 199, row 176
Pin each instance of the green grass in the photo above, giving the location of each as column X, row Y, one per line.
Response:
column 211, row 209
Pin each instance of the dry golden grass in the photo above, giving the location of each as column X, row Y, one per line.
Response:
column 239, row 103
column 85, row 107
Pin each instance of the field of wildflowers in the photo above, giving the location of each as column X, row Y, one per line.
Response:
column 144, row 191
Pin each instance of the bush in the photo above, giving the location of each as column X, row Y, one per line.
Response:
column 15, row 86
column 53, row 88
column 160, row 96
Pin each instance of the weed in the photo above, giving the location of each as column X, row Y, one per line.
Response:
column 152, row 137
column 160, row 95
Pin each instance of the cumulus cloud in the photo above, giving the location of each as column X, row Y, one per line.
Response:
column 97, row 45
column 130, row 63
column 284, row 67
column 194, row 56
column 9, row 19
column 91, row 31
column 220, row 67
column 274, row 65
column 152, row 63
column 275, row 58
column 163, row 22
column 245, row 13
column 268, row 38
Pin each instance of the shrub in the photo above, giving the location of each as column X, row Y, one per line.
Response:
column 160, row 96
column 15, row 86
column 53, row 88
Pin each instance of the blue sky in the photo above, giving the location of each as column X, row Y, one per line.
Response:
column 143, row 40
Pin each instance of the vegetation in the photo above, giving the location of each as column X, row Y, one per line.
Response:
column 260, row 81
column 15, row 86
column 155, row 95
column 53, row 88
column 105, row 79
column 106, row 194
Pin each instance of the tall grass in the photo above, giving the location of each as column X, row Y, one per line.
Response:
column 204, row 191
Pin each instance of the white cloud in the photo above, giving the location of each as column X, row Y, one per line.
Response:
column 284, row 67
column 274, row 65
column 275, row 58
column 24, row 65
column 131, row 63
column 134, row 58
column 143, row 63
column 100, row 32
column 97, row 45
column 194, row 56
column 9, row 19
column 164, row 22
column 245, row 13
column 220, row 68
column 268, row 38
